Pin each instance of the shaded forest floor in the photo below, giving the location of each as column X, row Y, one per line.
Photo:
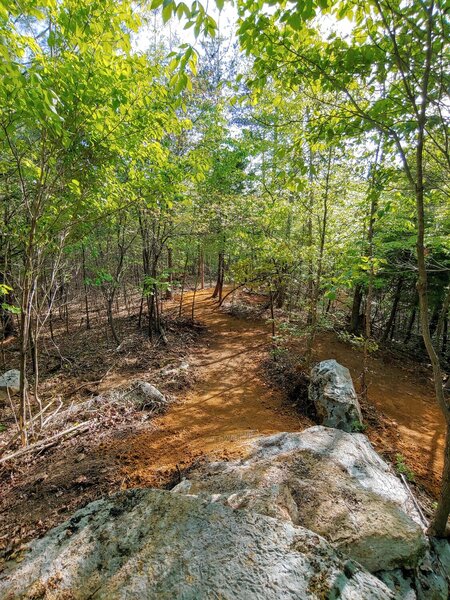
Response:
column 221, row 401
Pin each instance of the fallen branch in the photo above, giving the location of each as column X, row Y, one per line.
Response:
column 413, row 498
column 259, row 278
column 16, row 435
column 41, row 445
column 7, row 341
column 86, row 384
column 53, row 414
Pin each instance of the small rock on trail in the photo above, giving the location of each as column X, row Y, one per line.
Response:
column 9, row 383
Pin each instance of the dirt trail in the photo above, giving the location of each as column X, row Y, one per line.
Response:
column 228, row 405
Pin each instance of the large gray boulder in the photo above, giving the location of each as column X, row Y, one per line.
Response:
column 9, row 383
column 155, row 544
column 329, row 481
column 333, row 394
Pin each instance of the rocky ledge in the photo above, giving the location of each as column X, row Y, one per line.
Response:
column 312, row 515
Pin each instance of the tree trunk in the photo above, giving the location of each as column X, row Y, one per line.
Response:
column 318, row 279
column 445, row 337
column 183, row 283
column 169, row 292
column 220, row 276
column 442, row 318
column 202, row 269
column 23, row 345
column 439, row 523
column 197, row 272
column 355, row 321
column 411, row 321
column 272, row 315
column 396, row 300
column 373, row 195
column 111, row 319
column 86, row 300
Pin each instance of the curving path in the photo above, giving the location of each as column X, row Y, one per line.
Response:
column 230, row 404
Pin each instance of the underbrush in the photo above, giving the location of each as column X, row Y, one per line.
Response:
column 283, row 369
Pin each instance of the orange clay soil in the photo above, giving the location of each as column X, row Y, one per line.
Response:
column 228, row 406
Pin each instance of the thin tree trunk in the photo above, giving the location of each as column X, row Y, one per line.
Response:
column 86, row 300
column 356, row 308
column 66, row 307
column 411, row 321
column 111, row 319
column 416, row 179
column 395, row 302
column 202, row 269
column 374, row 197
column 195, row 289
column 6, row 317
column 442, row 318
column 183, row 283
column 141, row 311
column 318, row 280
column 219, row 283
column 445, row 337
column 169, row 292
column 272, row 314
column 439, row 523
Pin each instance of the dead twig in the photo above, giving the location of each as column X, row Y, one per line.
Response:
column 98, row 382
column 53, row 414
column 46, row 443
column 16, row 435
column 414, row 500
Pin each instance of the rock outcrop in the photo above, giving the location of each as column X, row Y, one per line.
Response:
column 329, row 481
column 312, row 515
column 429, row 581
column 332, row 392
column 155, row 544
column 9, row 383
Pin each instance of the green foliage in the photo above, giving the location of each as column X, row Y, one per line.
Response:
column 403, row 469
column 5, row 289
column 358, row 427
column 102, row 277
column 358, row 341
column 14, row 310
column 151, row 284
column 278, row 352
